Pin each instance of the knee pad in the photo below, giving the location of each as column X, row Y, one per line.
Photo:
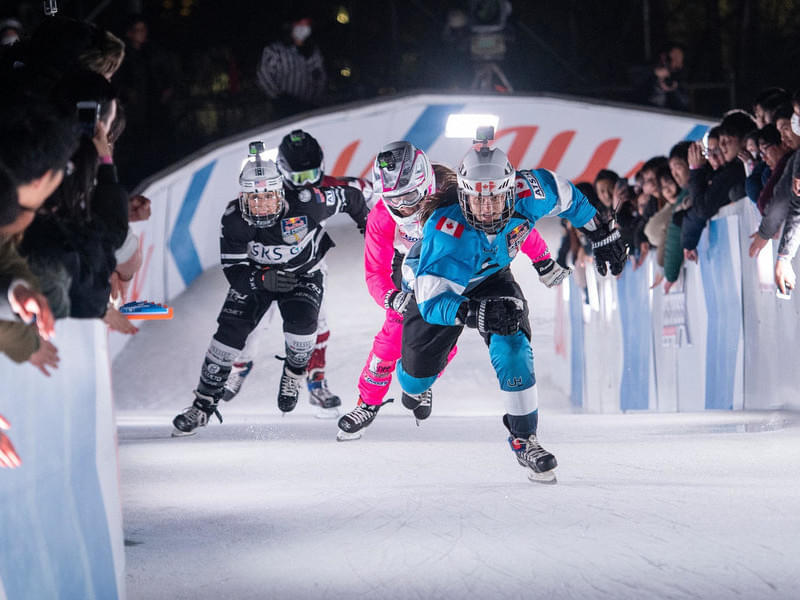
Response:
column 411, row 384
column 299, row 348
column 512, row 359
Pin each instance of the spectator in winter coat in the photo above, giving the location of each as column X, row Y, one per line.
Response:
column 784, row 273
column 773, row 201
column 36, row 146
column 74, row 236
column 656, row 227
column 673, row 252
column 711, row 191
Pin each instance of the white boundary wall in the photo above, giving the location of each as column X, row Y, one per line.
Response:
column 61, row 523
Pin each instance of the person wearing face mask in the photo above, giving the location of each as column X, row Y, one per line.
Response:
column 292, row 71
column 10, row 31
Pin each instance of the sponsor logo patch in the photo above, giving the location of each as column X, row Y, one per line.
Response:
column 333, row 195
column 450, row 227
column 515, row 237
column 294, row 229
column 305, row 195
column 538, row 190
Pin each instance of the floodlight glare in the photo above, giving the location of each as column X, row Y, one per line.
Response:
column 465, row 125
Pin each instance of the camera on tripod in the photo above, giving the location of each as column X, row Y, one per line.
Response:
column 487, row 22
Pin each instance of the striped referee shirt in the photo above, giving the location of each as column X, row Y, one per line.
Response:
column 284, row 71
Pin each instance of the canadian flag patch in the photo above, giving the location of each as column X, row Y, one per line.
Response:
column 450, row 227
column 522, row 189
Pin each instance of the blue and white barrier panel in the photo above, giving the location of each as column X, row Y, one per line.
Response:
column 713, row 342
column 61, row 520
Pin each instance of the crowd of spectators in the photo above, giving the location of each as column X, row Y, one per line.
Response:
column 674, row 196
column 66, row 247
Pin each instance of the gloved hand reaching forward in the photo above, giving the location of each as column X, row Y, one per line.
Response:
column 501, row 315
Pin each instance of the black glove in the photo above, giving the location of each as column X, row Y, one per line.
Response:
column 501, row 315
column 397, row 301
column 275, row 280
column 607, row 247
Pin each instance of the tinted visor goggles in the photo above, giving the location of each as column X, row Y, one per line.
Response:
column 406, row 200
column 307, row 176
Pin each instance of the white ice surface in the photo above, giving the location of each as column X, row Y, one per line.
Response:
column 264, row 506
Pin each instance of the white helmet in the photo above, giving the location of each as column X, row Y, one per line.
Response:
column 261, row 196
column 484, row 173
column 402, row 175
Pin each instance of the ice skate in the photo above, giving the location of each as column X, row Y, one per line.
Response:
column 319, row 395
column 351, row 424
column 540, row 463
column 419, row 404
column 235, row 380
column 196, row 415
column 289, row 389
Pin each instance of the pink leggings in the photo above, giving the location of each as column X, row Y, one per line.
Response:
column 376, row 377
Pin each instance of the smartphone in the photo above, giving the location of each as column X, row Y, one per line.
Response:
column 88, row 115
column 782, row 296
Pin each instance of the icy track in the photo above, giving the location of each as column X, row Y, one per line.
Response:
column 647, row 505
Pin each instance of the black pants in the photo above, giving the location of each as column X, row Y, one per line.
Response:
column 426, row 346
column 299, row 310
column 240, row 315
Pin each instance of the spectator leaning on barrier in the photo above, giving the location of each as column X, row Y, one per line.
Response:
column 75, row 234
column 756, row 170
column 784, row 273
column 673, row 252
column 656, row 227
column 710, row 192
column 679, row 163
column 292, row 72
column 776, row 208
column 36, row 145
column 774, row 199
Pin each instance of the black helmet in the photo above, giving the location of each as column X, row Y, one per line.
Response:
column 300, row 159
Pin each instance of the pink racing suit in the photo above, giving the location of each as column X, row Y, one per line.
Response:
column 388, row 239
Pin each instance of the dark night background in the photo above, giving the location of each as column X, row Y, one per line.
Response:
column 734, row 48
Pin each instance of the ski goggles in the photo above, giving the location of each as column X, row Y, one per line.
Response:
column 307, row 176
column 406, row 200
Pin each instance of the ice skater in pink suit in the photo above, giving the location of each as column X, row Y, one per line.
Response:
column 403, row 181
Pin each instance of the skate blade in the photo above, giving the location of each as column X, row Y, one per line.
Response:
column 178, row 433
column 547, row 478
column 327, row 413
column 343, row 436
